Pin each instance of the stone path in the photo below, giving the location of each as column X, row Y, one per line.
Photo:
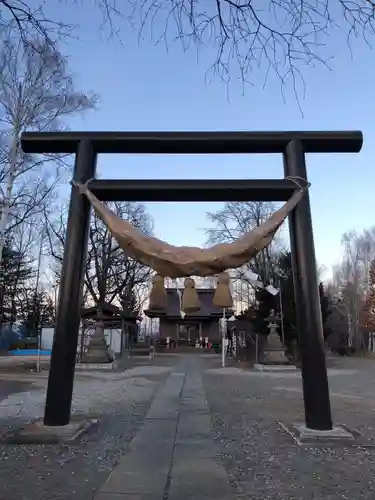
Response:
column 174, row 454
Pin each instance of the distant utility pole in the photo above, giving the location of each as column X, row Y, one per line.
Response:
column 36, row 306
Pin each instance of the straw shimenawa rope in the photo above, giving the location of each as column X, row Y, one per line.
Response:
column 175, row 262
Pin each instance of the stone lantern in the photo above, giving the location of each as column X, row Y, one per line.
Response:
column 274, row 352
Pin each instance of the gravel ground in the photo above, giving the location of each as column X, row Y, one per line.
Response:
column 263, row 462
column 63, row 472
column 8, row 387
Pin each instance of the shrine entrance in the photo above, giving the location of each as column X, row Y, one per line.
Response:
column 291, row 145
column 188, row 334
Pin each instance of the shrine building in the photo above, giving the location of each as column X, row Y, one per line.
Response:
column 203, row 324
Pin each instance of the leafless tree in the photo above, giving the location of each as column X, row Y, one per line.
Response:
column 366, row 244
column 350, row 278
column 55, row 230
column 28, row 20
column 347, row 281
column 109, row 273
column 282, row 36
column 358, row 253
column 36, row 94
column 233, row 221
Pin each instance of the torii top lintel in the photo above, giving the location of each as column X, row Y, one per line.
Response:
column 232, row 142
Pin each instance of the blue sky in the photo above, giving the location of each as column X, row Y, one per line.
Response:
column 144, row 87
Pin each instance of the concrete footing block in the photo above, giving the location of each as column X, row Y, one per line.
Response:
column 338, row 436
column 38, row 433
column 258, row 367
column 96, row 366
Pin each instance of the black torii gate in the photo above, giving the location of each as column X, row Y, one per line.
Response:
column 292, row 145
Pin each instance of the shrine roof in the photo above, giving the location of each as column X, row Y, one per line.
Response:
column 108, row 311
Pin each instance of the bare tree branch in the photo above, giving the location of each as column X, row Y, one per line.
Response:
column 30, row 22
column 280, row 36
column 109, row 273
column 351, row 278
column 231, row 222
column 235, row 219
column 36, row 93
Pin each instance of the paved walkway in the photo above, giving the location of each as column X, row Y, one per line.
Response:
column 173, row 456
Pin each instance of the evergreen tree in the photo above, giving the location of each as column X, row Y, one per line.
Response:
column 326, row 310
column 265, row 302
column 17, row 274
column 130, row 308
column 286, row 285
column 39, row 311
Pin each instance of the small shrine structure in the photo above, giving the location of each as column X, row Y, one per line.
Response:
column 109, row 317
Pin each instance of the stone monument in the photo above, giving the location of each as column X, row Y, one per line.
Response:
column 274, row 357
column 97, row 350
